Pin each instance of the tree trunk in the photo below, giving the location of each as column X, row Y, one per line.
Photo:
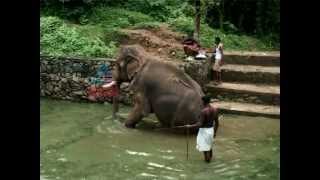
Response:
column 221, row 15
column 221, row 20
column 197, row 21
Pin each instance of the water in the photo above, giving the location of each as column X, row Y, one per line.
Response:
column 81, row 141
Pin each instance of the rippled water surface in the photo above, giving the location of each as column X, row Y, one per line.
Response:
column 81, row 141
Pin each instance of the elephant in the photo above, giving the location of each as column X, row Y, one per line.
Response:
column 158, row 87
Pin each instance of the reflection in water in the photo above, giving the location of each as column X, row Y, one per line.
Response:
column 138, row 153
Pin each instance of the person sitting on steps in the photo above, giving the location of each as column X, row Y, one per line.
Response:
column 191, row 47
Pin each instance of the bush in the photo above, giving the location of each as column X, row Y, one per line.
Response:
column 230, row 41
column 49, row 24
column 116, row 17
column 58, row 38
column 182, row 24
column 160, row 10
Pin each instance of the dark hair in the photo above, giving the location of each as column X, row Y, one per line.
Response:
column 206, row 99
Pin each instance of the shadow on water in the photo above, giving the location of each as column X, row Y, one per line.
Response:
column 81, row 141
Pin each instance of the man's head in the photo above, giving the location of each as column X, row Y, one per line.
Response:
column 206, row 99
column 217, row 40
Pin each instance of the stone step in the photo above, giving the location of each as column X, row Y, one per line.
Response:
column 249, row 109
column 250, row 93
column 250, row 74
column 253, row 58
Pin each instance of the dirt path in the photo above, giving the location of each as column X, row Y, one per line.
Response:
column 161, row 42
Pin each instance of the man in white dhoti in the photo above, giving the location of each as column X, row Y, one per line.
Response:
column 208, row 127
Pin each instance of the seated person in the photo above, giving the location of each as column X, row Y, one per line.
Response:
column 190, row 46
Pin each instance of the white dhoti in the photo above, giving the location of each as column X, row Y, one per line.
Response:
column 205, row 139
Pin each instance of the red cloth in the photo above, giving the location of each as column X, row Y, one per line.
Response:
column 191, row 47
column 98, row 93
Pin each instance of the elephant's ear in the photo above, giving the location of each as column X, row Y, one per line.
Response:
column 132, row 67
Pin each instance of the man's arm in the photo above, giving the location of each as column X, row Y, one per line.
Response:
column 197, row 124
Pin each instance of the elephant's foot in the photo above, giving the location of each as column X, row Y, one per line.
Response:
column 115, row 116
column 130, row 124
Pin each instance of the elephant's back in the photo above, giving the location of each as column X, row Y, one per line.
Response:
column 160, row 76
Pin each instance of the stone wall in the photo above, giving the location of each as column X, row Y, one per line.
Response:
column 67, row 78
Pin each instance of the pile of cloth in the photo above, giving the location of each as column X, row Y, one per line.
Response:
column 193, row 49
column 95, row 91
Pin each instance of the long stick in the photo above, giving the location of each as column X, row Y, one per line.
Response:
column 166, row 128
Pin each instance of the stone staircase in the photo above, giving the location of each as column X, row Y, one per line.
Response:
column 251, row 84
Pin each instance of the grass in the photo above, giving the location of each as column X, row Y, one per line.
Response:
column 97, row 33
column 59, row 38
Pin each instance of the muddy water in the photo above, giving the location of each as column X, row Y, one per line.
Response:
column 81, row 141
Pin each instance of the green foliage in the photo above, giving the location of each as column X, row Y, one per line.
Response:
column 58, row 38
column 93, row 27
column 96, row 35
column 147, row 25
column 116, row 17
column 183, row 24
column 231, row 41
column 260, row 17
column 112, row 20
column 64, row 10
column 160, row 10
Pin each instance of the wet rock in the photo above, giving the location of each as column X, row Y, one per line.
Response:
column 79, row 93
column 68, row 97
column 49, row 87
column 64, row 80
column 52, row 76
column 75, row 77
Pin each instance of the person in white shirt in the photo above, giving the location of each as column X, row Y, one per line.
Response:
column 218, row 57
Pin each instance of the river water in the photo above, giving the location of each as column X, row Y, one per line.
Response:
column 81, row 141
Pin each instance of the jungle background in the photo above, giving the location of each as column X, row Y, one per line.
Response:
column 92, row 28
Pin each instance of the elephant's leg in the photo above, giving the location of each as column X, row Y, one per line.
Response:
column 115, row 107
column 137, row 113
